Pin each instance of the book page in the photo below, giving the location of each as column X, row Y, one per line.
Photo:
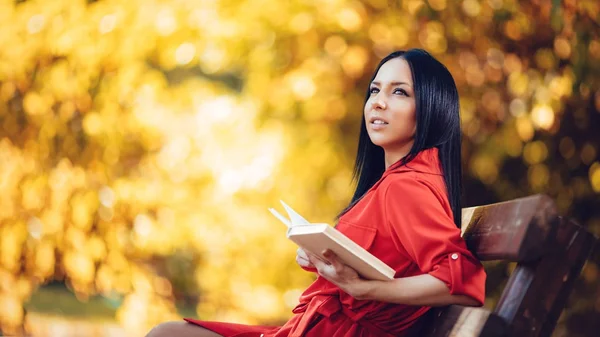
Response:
column 295, row 218
column 281, row 217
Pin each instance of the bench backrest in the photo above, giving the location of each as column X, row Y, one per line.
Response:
column 550, row 252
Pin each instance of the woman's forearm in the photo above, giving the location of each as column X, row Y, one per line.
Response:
column 421, row 290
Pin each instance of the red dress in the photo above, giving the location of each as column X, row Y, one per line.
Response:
column 405, row 220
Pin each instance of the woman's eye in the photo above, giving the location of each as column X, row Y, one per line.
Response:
column 373, row 90
column 401, row 92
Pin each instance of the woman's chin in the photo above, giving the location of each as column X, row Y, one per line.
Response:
column 391, row 145
column 379, row 141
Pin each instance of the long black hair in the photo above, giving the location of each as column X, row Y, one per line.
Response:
column 437, row 125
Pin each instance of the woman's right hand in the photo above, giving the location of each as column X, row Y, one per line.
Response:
column 302, row 259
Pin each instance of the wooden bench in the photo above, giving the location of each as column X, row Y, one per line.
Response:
column 550, row 252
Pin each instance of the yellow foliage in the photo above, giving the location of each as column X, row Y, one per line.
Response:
column 135, row 132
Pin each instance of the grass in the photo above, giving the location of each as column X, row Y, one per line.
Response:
column 57, row 300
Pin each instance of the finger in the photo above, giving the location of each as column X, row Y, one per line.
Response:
column 312, row 257
column 317, row 263
column 303, row 262
column 323, row 268
column 300, row 252
column 333, row 260
column 330, row 255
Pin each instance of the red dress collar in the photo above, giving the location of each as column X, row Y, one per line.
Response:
column 426, row 161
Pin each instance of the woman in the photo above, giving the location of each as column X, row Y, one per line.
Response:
column 406, row 211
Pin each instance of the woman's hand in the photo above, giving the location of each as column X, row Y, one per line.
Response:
column 336, row 272
column 302, row 259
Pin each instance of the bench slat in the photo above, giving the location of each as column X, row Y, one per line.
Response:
column 456, row 320
column 537, row 291
column 515, row 230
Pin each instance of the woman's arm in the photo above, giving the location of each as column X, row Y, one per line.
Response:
column 422, row 290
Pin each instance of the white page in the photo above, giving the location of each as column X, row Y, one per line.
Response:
column 296, row 218
column 281, row 217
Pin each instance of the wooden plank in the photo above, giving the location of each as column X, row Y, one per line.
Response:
column 536, row 292
column 459, row 321
column 578, row 250
column 515, row 230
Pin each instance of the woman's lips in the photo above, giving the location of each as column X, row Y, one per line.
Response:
column 378, row 125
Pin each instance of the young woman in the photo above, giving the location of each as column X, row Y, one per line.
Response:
column 406, row 211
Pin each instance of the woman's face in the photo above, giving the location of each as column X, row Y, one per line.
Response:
column 390, row 109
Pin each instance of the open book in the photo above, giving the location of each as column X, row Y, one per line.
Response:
column 315, row 238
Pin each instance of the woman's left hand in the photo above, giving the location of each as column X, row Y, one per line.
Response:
column 336, row 272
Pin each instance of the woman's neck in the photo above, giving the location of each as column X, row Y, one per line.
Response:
column 397, row 153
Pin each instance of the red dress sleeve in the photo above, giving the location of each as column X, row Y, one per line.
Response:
column 421, row 222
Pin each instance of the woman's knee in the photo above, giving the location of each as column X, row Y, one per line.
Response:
column 182, row 329
column 164, row 329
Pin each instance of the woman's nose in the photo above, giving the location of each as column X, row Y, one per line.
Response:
column 379, row 103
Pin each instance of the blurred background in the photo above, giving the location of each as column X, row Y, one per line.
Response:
column 141, row 143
